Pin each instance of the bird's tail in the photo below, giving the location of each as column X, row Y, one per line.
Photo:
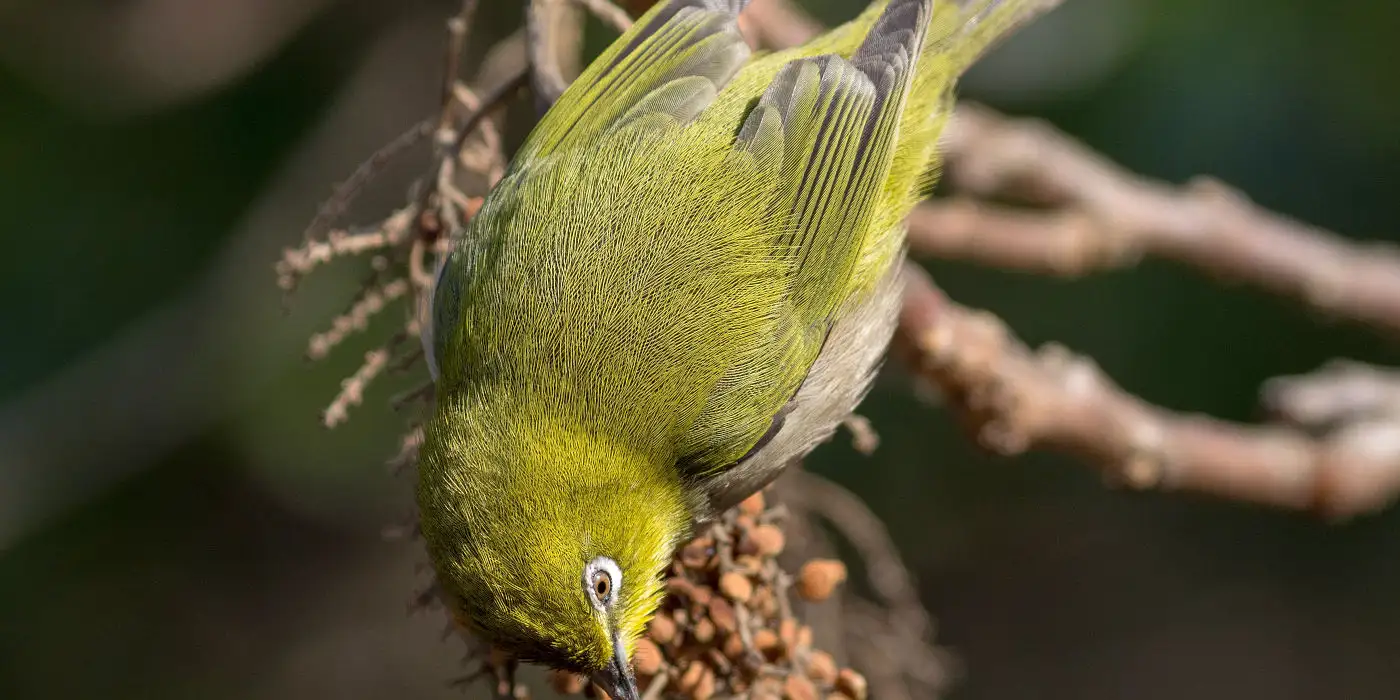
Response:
column 958, row 33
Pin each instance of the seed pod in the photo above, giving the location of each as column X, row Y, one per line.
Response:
column 684, row 588
column 821, row 667
column 716, row 659
column 662, row 629
column 698, row 553
column 736, row 587
column 753, row 505
column 705, row 688
column 647, row 658
column 690, row 680
column 722, row 614
column 768, row 644
column 851, row 683
column 768, row 540
column 787, row 632
column 734, row 648
column 819, row 578
column 704, row 631
column 798, row 687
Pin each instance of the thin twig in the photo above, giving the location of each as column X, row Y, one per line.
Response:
column 346, row 192
column 357, row 318
column 352, row 390
column 490, row 103
column 543, row 29
column 297, row 262
column 457, row 29
column 610, row 13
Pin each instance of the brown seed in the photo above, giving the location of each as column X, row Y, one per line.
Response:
column 704, row 631
column 722, row 613
column 647, row 658
column 662, row 629
column 787, row 632
column 684, row 588
column 566, row 683
column 706, row 687
column 768, row 539
column 699, row 553
column 851, row 683
column 798, row 687
column 753, row 505
column 716, row 659
column 691, row 678
column 767, row 642
column 821, row 667
column 819, row 577
column 736, row 587
column 734, row 647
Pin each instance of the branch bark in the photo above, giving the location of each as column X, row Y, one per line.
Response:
column 1012, row 399
column 1100, row 216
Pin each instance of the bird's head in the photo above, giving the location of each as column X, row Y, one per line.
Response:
column 553, row 549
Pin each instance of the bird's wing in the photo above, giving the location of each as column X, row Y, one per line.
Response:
column 668, row 66
column 663, row 71
column 829, row 126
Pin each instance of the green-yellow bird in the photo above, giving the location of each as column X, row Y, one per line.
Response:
column 685, row 281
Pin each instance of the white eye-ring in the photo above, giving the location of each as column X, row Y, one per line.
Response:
column 601, row 580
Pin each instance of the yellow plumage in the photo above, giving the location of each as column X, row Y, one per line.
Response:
column 685, row 280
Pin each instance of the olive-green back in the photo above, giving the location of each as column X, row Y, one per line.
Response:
column 665, row 256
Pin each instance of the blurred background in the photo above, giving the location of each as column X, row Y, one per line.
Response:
column 174, row 522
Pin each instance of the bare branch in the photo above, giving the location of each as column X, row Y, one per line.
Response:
column 346, row 192
column 1105, row 216
column 1013, row 399
column 544, row 25
column 357, row 318
column 1341, row 391
column 614, row 16
column 352, row 390
column 297, row 262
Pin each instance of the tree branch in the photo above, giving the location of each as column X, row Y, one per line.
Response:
column 1012, row 399
column 1101, row 216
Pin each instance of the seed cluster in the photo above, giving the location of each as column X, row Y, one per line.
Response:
column 726, row 628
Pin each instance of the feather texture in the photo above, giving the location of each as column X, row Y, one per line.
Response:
column 686, row 279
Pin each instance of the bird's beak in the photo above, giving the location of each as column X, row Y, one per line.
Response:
column 617, row 678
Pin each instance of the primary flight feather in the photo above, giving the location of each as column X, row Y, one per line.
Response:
column 686, row 280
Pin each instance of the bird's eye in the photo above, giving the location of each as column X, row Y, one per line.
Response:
column 601, row 579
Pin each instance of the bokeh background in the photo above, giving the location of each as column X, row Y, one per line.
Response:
column 174, row 523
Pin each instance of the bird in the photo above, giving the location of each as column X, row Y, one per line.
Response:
column 685, row 281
